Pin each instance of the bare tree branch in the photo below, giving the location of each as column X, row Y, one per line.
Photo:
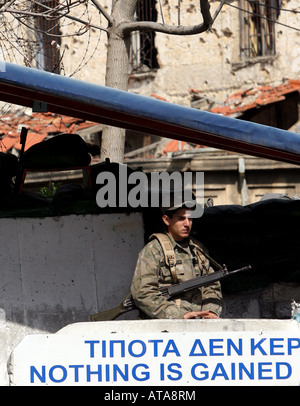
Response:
column 5, row 5
column 98, row 27
column 102, row 10
column 57, row 17
column 80, row 32
column 161, row 13
column 166, row 29
column 218, row 10
column 31, row 13
column 170, row 29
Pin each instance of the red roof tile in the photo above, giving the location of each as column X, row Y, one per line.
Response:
column 244, row 100
column 8, row 142
column 32, row 138
column 156, row 96
column 174, row 146
column 40, row 125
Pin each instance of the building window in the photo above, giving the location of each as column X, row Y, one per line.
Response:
column 257, row 20
column 47, row 54
column 143, row 55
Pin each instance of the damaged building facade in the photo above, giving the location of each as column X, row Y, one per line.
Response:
column 247, row 66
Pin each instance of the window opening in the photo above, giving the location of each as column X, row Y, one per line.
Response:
column 143, row 54
column 257, row 20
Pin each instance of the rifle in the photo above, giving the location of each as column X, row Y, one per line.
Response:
column 168, row 292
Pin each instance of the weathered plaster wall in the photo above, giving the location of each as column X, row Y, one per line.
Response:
column 210, row 62
column 57, row 271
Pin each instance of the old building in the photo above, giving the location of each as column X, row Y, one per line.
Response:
column 250, row 45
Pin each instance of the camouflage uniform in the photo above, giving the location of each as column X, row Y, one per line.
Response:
column 151, row 272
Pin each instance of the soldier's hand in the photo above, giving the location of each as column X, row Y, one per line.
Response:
column 205, row 314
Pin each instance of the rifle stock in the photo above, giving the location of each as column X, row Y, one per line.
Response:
column 125, row 306
column 110, row 314
column 128, row 304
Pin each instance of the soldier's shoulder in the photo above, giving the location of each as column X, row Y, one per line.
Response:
column 153, row 245
column 199, row 244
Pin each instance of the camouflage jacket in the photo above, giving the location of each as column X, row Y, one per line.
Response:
column 151, row 273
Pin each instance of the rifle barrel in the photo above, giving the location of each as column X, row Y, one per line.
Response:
column 204, row 280
column 245, row 268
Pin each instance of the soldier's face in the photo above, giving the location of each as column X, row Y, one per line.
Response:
column 180, row 224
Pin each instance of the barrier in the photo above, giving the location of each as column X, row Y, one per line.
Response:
column 162, row 353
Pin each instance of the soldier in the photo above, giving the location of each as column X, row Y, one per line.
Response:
column 152, row 272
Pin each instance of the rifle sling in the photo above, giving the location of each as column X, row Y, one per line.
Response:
column 168, row 251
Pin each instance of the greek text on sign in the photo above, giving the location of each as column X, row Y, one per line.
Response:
column 208, row 358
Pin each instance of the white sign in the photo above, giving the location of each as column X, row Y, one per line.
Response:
column 160, row 359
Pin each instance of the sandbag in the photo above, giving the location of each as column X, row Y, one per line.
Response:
column 8, row 165
column 8, row 169
column 61, row 151
column 264, row 234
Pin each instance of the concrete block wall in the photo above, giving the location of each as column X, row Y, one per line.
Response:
column 57, row 271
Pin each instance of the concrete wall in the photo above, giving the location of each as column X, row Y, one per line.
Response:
column 57, row 271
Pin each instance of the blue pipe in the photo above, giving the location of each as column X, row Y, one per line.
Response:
column 18, row 80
